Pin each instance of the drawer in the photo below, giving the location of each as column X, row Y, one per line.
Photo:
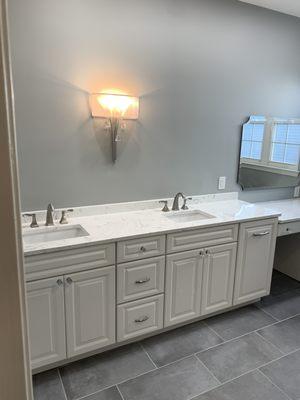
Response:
column 139, row 317
column 288, row 228
column 88, row 256
column 198, row 238
column 135, row 249
column 139, row 279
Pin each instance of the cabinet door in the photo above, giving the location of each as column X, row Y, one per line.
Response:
column 218, row 278
column 183, row 287
column 255, row 260
column 90, row 310
column 46, row 321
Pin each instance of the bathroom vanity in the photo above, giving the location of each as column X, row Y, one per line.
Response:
column 139, row 272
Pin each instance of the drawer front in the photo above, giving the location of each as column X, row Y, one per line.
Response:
column 100, row 255
column 135, row 249
column 139, row 317
column 288, row 228
column 198, row 238
column 140, row 279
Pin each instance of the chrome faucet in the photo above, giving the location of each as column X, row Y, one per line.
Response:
column 49, row 215
column 175, row 206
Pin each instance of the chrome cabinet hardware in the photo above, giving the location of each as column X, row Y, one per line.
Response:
column 141, row 319
column 49, row 215
column 175, row 206
column 34, row 223
column 63, row 219
column 261, row 234
column 59, row 282
column 69, row 280
column 201, row 253
column 207, row 252
column 143, row 249
column 165, row 208
column 185, row 207
column 140, row 281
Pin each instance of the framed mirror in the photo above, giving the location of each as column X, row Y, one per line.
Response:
column 269, row 153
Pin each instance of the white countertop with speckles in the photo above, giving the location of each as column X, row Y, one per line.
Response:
column 108, row 225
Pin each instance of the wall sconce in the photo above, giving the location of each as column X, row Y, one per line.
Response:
column 115, row 108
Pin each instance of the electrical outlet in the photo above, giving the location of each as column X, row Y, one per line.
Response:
column 222, row 183
column 297, row 191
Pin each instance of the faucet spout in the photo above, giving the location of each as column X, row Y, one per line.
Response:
column 175, row 206
column 49, row 215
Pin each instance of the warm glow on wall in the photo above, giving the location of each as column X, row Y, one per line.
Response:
column 114, row 106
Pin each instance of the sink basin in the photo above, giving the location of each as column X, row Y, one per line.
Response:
column 188, row 216
column 42, row 235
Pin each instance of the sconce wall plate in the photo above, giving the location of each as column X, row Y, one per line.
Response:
column 115, row 108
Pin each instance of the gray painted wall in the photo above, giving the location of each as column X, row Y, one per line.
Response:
column 200, row 67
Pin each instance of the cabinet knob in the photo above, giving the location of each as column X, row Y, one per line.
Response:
column 59, row 282
column 69, row 280
column 140, row 281
column 143, row 249
column 141, row 319
column 207, row 252
column 201, row 253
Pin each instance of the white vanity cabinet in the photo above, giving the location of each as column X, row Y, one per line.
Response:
column 255, row 260
column 218, row 278
column 46, row 321
column 90, row 310
column 183, row 286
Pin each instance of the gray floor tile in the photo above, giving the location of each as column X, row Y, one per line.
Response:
column 282, row 283
column 47, row 386
column 106, row 394
column 285, row 373
column 248, row 387
column 179, row 343
column 238, row 356
column 285, row 335
column 178, row 381
column 239, row 322
column 282, row 306
column 95, row 373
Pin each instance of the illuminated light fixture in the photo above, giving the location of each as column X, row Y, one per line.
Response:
column 115, row 108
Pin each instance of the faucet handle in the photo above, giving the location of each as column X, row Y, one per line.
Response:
column 165, row 208
column 185, row 207
column 34, row 223
column 63, row 219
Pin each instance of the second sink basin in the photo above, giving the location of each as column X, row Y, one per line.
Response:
column 188, row 216
column 42, row 235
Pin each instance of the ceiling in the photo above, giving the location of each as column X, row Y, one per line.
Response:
column 285, row 6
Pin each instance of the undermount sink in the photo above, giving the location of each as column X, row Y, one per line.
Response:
column 188, row 216
column 42, row 235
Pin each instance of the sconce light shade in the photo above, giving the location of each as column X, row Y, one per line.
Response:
column 114, row 106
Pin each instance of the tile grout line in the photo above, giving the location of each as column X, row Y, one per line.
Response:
column 148, row 355
column 269, row 342
column 120, row 393
column 208, row 370
column 274, row 384
column 266, row 312
column 215, row 332
column 61, row 381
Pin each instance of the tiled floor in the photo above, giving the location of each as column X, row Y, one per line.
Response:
column 250, row 353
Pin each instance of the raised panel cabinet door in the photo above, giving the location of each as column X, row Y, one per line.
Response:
column 46, row 321
column 255, row 258
column 90, row 310
column 183, row 287
column 218, row 278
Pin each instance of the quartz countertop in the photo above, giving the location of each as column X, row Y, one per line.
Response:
column 288, row 208
column 115, row 226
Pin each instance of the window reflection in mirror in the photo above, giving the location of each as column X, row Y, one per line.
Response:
column 270, row 152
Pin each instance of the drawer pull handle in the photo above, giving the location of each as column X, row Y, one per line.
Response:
column 261, row 234
column 140, row 281
column 143, row 249
column 141, row 319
